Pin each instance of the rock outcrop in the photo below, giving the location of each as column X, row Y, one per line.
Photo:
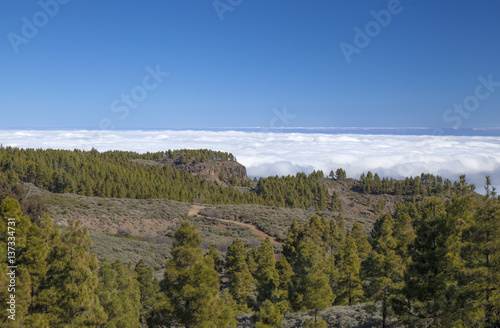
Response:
column 211, row 170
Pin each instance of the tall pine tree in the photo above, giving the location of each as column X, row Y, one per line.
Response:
column 349, row 285
column 192, row 284
column 384, row 268
column 482, row 296
column 266, row 275
column 72, row 281
column 431, row 281
column 120, row 295
column 240, row 278
column 148, row 289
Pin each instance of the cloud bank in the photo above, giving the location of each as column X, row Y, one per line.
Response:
column 267, row 153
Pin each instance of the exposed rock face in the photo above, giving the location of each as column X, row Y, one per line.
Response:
column 211, row 170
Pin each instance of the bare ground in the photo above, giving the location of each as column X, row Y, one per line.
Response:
column 195, row 210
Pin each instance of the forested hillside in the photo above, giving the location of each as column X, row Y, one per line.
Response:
column 425, row 184
column 114, row 174
column 431, row 257
column 431, row 264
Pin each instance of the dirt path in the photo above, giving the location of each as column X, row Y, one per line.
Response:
column 255, row 230
column 195, row 209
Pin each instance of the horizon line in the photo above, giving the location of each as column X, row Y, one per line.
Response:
column 260, row 128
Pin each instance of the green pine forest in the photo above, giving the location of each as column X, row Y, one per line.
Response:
column 432, row 261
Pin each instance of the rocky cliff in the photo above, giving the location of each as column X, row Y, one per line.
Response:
column 211, row 169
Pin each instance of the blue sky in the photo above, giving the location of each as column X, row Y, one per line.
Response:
column 263, row 56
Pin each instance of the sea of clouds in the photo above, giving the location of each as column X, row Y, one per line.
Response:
column 267, row 153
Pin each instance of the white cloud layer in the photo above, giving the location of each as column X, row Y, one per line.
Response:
column 266, row 153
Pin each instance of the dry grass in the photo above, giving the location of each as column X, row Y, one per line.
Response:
column 130, row 229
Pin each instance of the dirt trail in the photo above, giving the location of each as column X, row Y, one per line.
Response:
column 195, row 209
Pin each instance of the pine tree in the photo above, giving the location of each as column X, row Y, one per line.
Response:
column 35, row 257
column 240, row 278
column 315, row 323
column 192, row 284
column 404, row 233
column 291, row 242
column 331, row 175
column 225, row 313
column 148, row 289
column 312, row 267
column 285, row 272
column 266, row 276
column 14, row 228
column 340, row 174
column 32, row 248
column 10, row 208
column 161, row 314
column 317, row 229
column 315, row 267
column 120, row 295
column 218, row 264
column 252, row 260
column 268, row 316
column 72, row 281
column 483, row 262
column 431, row 284
column 361, row 240
column 384, row 268
column 339, row 232
column 23, row 295
column 349, row 286
column 318, row 293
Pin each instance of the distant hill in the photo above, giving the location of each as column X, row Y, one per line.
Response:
column 210, row 169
